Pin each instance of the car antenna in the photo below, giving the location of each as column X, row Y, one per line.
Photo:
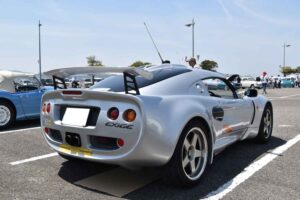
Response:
column 162, row 61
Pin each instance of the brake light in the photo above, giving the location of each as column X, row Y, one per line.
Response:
column 120, row 142
column 113, row 113
column 72, row 92
column 48, row 108
column 129, row 115
column 44, row 108
column 46, row 130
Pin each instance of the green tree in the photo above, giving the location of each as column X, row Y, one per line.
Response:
column 139, row 64
column 209, row 65
column 91, row 60
column 287, row 70
column 298, row 69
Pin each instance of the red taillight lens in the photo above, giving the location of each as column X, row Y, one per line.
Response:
column 129, row 115
column 113, row 113
column 48, row 108
column 44, row 108
column 46, row 130
column 70, row 92
column 120, row 142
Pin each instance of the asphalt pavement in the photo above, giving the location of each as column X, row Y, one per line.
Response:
column 29, row 169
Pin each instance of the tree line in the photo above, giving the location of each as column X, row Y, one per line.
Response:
column 206, row 64
column 289, row 70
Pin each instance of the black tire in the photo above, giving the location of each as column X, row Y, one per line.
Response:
column 8, row 110
column 265, row 128
column 175, row 172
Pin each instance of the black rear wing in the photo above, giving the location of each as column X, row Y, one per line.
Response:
column 129, row 74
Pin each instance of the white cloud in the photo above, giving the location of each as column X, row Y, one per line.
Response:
column 226, row 11
column 269, row 19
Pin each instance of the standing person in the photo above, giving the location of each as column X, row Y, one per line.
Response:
column 264, row 81
column 192, row 62
column 298, row 81
column 279, row 81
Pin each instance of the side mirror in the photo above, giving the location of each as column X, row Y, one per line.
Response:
column 251, row 93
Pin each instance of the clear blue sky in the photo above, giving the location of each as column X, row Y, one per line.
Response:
column 244, row 37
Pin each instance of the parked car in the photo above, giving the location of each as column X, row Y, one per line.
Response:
column 287, row 82
column 250, row 82
column 20, row 97
column 161, row 115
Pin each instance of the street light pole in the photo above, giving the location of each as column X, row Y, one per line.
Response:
column 40, row 61
column 193, row 38
column 284, row 46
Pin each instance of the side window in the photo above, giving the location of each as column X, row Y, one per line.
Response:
column 24, row 84
column 218, row 88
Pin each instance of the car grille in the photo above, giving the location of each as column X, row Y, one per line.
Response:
column 55, row 135
column 103, row 143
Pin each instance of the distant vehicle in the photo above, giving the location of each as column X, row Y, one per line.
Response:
column 235, row 82
column 88, row 82
column 214, row 84
column 287, row 82
column 169, row 115
column 250, row 82
column 20, row 97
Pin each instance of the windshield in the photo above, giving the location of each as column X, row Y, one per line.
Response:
column 116, row 83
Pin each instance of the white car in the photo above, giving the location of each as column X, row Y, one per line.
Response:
column 250, row 82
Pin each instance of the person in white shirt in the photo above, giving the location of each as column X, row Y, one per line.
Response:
column 264, row 81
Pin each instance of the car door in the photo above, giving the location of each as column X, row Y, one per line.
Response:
column 30, row 95
column 237, row 112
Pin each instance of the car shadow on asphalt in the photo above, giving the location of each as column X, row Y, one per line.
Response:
column 225, row 167
column 23, row 124
column 75, row 170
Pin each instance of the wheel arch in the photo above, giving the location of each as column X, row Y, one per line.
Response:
column 211, row 137
column 10, row 103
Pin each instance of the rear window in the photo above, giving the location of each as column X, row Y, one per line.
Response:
column 116, row 83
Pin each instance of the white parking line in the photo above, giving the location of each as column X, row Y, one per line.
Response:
column 284, row 125
column 33, row 159
column 250, row 170
column 294, row 95
column 18, row 130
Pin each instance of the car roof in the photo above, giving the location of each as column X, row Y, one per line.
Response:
column 200, row 72
column 6, row 79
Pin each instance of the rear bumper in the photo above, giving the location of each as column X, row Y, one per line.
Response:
column 135, row 153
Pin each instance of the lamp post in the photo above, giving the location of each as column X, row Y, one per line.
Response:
column 40, row 61
column 193, row 40
column 284, row 46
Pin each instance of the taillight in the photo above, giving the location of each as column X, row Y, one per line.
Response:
column 129, row 115
column 44, row 108
column 72, row 92
column 46, row 130
column 48, row 108
column 113, row 113
column 120, row 142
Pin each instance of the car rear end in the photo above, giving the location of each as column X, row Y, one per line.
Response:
column 92, row 125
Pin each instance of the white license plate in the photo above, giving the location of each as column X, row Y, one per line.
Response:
column 76, row 116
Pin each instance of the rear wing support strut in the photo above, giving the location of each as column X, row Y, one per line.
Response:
column 59, row 83
column 130, row 84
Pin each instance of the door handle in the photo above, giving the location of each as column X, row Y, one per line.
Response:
column 218, row 113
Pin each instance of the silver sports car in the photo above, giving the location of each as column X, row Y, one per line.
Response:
column 158, row 115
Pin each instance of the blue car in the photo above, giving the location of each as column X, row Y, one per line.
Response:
column 20, row 97
column 287, row 82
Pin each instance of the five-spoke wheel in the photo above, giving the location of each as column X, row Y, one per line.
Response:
column 190, row 157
